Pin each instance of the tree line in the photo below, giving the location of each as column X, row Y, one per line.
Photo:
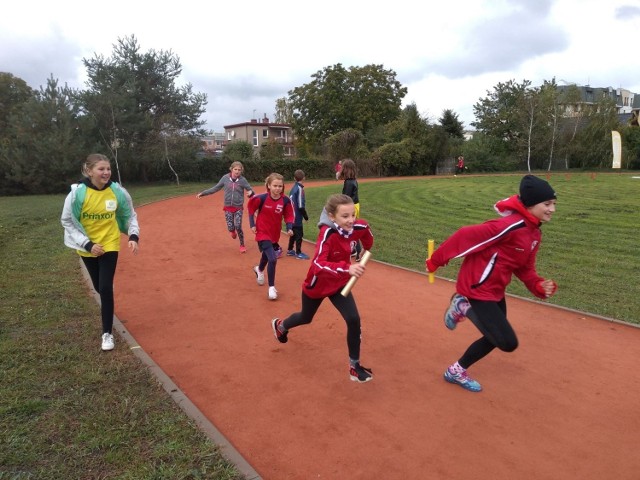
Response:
column 133, row 111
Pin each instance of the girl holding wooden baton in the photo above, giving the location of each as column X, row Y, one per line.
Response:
column 329, row 272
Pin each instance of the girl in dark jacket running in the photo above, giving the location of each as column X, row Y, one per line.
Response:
column 493, row 251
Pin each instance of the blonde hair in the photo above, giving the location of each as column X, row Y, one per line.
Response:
column 237, row 164
column 91, row 162
column 269, row 180
column 335, row 200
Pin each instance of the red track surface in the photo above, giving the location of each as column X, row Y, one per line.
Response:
column 563, row 406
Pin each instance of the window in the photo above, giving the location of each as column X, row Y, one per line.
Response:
column 255, row 137
column 265, row 133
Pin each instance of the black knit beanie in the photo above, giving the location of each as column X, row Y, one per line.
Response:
column 534, row 190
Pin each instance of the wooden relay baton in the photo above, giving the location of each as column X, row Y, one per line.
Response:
column 430, row 245
column 352, row 281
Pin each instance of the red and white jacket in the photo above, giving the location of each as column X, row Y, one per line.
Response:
column 270, row 214
column 493, row 251
column 329, row 270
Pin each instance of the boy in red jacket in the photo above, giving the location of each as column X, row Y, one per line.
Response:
column 492, row 252
column 330, row 271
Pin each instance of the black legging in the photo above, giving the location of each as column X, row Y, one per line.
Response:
column 347, row 308
column 102, row 269
column 296, row 238
column 491, row 319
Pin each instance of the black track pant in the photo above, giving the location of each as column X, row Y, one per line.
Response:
column 347, row 308
column 102, row 269
column 296, row 239
column 491, row 319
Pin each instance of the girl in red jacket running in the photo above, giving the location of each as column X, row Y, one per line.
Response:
column 492, row 252
column 330, row 271
column 266, row 212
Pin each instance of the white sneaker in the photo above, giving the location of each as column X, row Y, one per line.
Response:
column 259, row 275
column 107, row 342
column 273, row 293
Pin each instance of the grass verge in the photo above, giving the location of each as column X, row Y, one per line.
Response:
column 67, row 410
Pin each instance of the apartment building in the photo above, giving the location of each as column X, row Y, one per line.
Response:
column 260, row 131
column 214, row 143
column 627, row 102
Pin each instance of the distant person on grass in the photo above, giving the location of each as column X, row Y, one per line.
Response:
column 234, row 185
column 94, row 214
column 330, row 271
column 350, row 188
column 493, row 251
column 300, row 212
column 266, row 213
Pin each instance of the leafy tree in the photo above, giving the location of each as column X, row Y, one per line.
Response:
column 595, row 138
column 46, row 143
column 134, row 100
column 392, row 159
column 271, row 150
column 530, row 104
column 551, row 111
column 569, row 122
column 348, row 143
column 14, row 94
column 238, row 151
column 500, row 114
column 484, row 153
column 337, row 99
column 631, row 146
column 284, row 111
column 411, row 135
column 452, row 124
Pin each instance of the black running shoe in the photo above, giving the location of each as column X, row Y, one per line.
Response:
column 282, row 337
column 360, row 374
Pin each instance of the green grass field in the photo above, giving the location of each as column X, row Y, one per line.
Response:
column 67, row 411
column 589, row 248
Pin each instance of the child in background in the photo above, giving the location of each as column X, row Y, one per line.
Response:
column 298, row 201
column 492, row 252
column 234, row 185
column 350, row 188
column 95, row 212
column 330, row 271
column 266, row 212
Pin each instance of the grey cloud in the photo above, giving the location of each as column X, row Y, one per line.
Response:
column 36, row 60
column 501, row 43
column 627, row 12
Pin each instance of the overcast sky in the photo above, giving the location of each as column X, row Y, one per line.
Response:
column 244, row 55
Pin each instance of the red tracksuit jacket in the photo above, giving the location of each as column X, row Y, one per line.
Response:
column 493, row 251
column 268, row 222
column 329, row 270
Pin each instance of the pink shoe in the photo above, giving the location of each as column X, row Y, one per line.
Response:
column 234, row 235
column 243, row 249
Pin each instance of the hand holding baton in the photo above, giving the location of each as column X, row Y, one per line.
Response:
column 352, row 281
